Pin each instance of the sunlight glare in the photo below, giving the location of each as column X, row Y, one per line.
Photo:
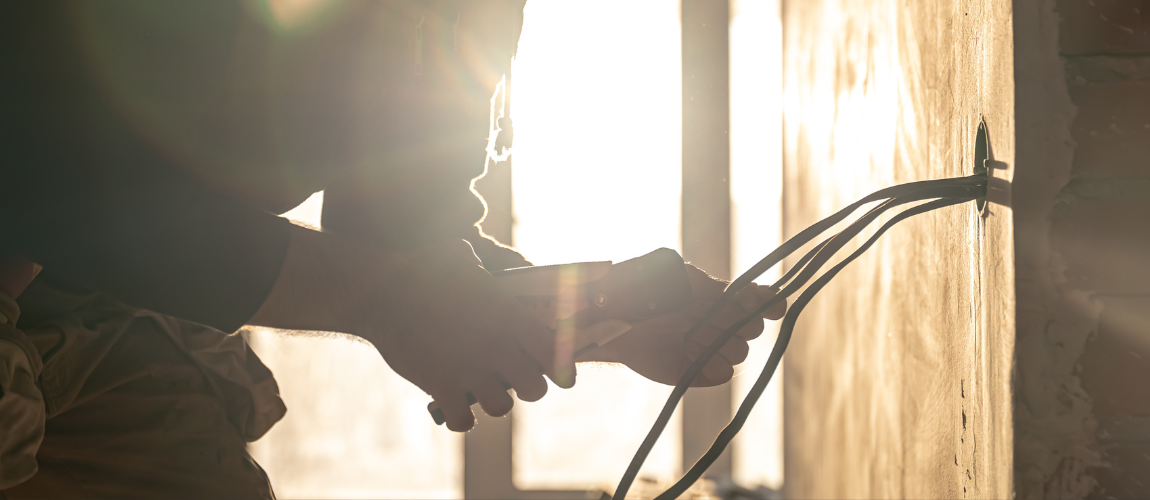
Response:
column 596, row 101
column 756, row 207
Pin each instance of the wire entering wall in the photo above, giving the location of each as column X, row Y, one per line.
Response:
column 945, row 192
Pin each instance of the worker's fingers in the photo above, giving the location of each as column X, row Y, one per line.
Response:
column 526, row 379
column 703, row 286
column 751, row 330
column 728, row 315
column 456, row 411
column 500, row 352
column 734, row 351
column 703, row 339
column 715, row 372
column 553, row 354
column 725, row 319
column 708, row 289
column 754, row 296
column 491, row 395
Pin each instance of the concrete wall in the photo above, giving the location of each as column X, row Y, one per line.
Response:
column 898, row 378
column 901, row 382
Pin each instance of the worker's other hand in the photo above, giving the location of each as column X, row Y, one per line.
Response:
column 467, row 335
column 435, row 315
column 655, row 348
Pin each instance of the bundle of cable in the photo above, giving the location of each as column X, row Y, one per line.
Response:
column 943, row 193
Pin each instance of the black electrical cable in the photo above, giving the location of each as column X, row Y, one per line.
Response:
column 778, row 285
column 809, row 233
column 957, row 187
column 781, row 343
column 909, row 193
column 837, row 241
column 824, row 253
column 798, row 267
column 806, row 235
column 898, row 195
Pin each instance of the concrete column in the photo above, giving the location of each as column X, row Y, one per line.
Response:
column 706, row 195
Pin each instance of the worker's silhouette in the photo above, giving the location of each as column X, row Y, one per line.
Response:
column 146, row 148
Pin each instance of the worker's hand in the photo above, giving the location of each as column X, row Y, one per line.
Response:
column 435, row 315
column 473, row 337
column 655, row 348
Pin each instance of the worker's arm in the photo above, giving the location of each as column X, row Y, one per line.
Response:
column 146, row 239
column 434, row 314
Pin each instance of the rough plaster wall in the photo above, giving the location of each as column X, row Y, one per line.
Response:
column 897, row 381
column 1082, row 200
column 1099, row 227
column 1052, row 413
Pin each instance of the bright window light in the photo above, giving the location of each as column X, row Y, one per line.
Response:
column 756, row 208
column 596, row 101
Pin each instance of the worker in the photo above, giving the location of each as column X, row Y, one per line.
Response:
column 146, row 148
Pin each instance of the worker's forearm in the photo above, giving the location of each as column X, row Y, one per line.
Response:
column 314, row 292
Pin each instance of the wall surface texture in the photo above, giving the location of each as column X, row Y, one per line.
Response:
column 1082, row 212
column 898, row 378
column 997, row 356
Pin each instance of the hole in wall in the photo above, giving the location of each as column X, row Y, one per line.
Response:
column 981, row 155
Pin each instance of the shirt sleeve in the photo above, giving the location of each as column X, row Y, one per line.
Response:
column 149, row 239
